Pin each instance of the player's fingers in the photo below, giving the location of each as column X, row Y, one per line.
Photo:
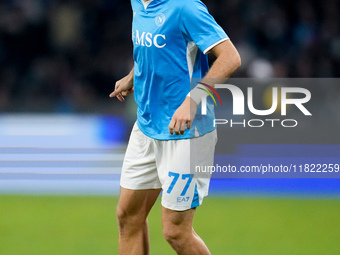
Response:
column 127, row 92
column 130, row 91
column 115, row 93
column 124, row 93
column 188, row 124
column 171, row 126
column 177, row 127
column 117, row 90
column 120, row 97
column 182, row 127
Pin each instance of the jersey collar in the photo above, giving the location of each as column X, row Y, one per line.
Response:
column 146, row 3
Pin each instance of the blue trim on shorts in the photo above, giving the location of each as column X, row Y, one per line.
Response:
column 196, row 200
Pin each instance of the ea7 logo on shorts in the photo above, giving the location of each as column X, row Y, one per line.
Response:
column 160, row 19
column 182, row 199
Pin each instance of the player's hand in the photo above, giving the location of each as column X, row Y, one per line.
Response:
column 123, row 88
column 183, row 117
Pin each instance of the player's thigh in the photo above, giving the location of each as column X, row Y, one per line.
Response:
column 136, row 203
column 139, row 171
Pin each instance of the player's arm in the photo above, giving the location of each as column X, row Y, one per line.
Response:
column 123, row 87
column 226, row 63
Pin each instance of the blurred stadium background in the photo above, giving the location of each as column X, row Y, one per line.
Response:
column 62, row 140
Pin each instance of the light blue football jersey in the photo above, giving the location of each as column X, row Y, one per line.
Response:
column 170, row 39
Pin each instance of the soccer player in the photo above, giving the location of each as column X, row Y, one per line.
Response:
column 171, row 39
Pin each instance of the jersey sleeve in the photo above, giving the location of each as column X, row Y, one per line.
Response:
column 199, row 26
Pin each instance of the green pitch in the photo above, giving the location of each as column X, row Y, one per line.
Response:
column 54, row 225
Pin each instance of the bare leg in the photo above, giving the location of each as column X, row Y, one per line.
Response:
column 132, row 211
column 178, row 231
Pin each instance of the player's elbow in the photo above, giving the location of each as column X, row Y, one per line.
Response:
column 236, row 60
column 232, row 61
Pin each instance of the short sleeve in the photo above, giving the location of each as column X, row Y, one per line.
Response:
column 199, row 26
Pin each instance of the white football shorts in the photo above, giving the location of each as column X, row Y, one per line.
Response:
column 170, row 165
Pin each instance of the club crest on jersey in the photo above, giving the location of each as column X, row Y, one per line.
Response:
column 160, row 19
